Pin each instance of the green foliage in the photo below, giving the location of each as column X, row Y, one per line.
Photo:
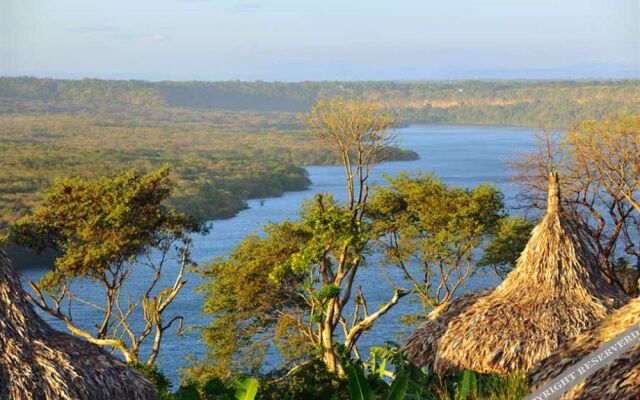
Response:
column 399, row 387
column 414, row 383
column 267, row 291
column 423, row 223
column 375, row 384
column 310, row 381
column 358, row 385
column 497, row 387
column 186, row 392
column 214, row 171
column 509, row 239
column 246, row 303
column 379, row 358
column 101, row 229
column 467, row 385
column 328, row 227
column 154, row 375
column 217, row 389
column 481, row 102
column 219, row 159
column 432, row 218
column 230, row 141
column 102, row 223
column 260, row 294
column 247, row 389
column 627, row 274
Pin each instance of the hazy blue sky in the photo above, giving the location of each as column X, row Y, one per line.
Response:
column 312, row 40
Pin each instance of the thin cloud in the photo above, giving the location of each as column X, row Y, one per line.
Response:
column 150, row 37
column 94, row 29
column 246, row 7
column 239, row 6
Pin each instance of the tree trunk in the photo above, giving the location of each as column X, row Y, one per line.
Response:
column 329, row 356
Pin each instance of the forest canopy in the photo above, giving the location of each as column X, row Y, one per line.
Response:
column 517, row 102
column 231, row 141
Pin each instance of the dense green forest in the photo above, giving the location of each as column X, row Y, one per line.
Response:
column 231, row 141
column 555, row 103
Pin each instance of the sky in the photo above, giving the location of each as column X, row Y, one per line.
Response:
column 294, row 40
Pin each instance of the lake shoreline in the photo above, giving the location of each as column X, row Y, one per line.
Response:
column 25, row 259
column 460, row 155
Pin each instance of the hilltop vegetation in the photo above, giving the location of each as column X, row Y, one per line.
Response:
column 52, row 129
column 555, row 103
column 225, row 166
column 231, row 141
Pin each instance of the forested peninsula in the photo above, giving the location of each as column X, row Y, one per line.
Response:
column 231, row 141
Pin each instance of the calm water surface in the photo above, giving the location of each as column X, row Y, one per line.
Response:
column 460, row 155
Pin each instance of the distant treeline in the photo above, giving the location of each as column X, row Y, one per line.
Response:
column 534, row 103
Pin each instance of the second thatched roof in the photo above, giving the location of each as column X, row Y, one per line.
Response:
column 555, row 291
column 619, row 380
column 40, row 363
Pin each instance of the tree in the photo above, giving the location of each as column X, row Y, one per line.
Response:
column 104, row 230
column 434, row 234
column 609, row 150
column 509, row 238
column 291, row 286
column 359, row 134
column 598, row 163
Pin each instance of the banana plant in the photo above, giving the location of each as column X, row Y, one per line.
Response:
column 358, row 385
column 248, row 389
column 360, row 389
column 398, row 387
column 467, row 386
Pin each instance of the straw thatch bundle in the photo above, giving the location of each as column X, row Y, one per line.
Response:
column 555, row 291
column 37, row 362
column 618, row 380
column 421, row 346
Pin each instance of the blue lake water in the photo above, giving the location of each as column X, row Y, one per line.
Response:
column 459, row 154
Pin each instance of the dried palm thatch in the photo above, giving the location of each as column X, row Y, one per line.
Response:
column 38, row 362
column 421, row 346
column 555, row 291
column 619, row 380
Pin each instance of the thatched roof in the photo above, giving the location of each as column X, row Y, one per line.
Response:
column 618, row 380
column 420, row 347
column 555, row 291
column 38, row 362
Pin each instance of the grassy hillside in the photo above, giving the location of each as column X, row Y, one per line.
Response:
column 535, row 103
column 219, row 158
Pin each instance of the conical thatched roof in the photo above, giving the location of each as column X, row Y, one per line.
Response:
column 619, row 380
column 37, row 362
column 555, row 291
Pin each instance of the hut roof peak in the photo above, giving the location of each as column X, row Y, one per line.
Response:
column 555, row 291
column 553, row 196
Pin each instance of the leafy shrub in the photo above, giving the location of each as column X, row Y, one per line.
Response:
column 410, row 382
column 186, row 392
column 217, row 389
column 154, row 375
column 310, row 381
